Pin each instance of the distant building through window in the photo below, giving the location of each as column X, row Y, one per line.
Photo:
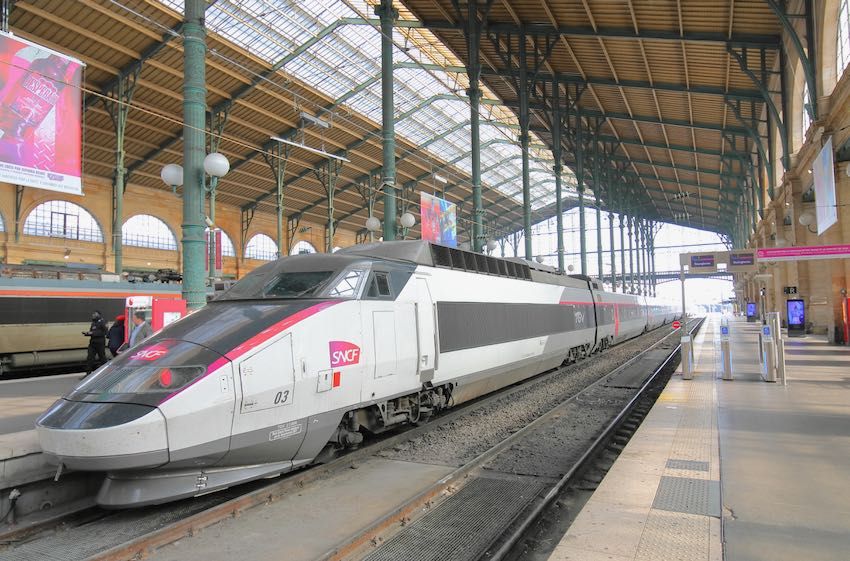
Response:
column 227, row 249
column 843, row 50
column 62, row 219
column 144, row 230
column 261, row 247
column 302, row 247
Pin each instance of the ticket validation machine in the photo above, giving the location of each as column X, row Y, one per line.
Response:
column 725, row 351
column 768, row 363
column 159, row 312
column 752, row 312
column 796, row 317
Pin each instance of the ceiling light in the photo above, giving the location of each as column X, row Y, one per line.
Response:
column 309, row 149
column 440, row 178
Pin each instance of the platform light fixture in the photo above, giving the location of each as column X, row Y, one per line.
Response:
column 172, row 175
column 311, row 149
column 373, row 224
column 440, row 178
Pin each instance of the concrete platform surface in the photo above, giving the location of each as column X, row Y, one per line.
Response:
column 740, row 470
column 305, row 526
column 23, row 400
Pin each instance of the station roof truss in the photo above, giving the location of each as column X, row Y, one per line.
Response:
column 675, row 91
column 269, row 62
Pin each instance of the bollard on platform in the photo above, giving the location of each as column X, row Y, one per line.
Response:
column 725, row 352
column 687, row 355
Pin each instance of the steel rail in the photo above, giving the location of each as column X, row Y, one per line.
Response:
column 520, row 529
column 447, row 484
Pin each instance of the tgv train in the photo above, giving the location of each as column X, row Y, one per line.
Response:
column 307, row 354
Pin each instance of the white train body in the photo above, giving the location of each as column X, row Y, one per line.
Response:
column 264, row 379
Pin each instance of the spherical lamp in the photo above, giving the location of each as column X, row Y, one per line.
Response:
column 539, row 259
column 373, row 224
column 407, row 220
column 570, row 268
column 807, row 218
column 172, row 175
column 216, row 165
column 464, row 246
column 492, row 245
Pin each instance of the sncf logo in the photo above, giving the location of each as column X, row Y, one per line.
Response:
column 150, row 353
column 343, row 353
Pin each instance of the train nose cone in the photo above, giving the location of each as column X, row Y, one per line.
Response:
column 103, row 436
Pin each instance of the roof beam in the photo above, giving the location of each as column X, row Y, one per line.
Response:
column 743, row 94
column 537, row 29
column 675, row 166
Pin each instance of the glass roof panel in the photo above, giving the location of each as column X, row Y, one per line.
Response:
column 344, row 63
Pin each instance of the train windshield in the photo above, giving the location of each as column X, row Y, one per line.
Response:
column 291, row 280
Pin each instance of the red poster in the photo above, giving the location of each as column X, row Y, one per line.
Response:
column 40, row 117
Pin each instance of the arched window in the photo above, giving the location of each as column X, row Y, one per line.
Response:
column 227, row 249
column 2, row 225
column 302, row 247
column 261, row 247
column 807, row 104
column 61, row 219
column 144, row 230
column 843, row 50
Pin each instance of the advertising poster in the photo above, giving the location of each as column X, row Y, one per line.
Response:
column 40, row 117
column 439, row 220
column 824, row 175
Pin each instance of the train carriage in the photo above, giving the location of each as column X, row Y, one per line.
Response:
column 306, row 355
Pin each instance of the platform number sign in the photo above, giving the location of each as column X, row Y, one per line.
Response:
column 677, row 324
column 724, row 330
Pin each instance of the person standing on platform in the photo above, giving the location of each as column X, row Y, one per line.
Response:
column 97, row 342
column 141, row 331
column 115, row 336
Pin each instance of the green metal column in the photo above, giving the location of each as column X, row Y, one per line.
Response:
column 218, row 120
column 6, row 13
column 598, row 234
column 473, row 68
column 638, row 256
column 523, row 137
column 194, row 124
column 558, row 168
column 630, row 224
column 622, row 253
column 611, row 249
column 580, row 187
column 118, row 108
column 388, row 16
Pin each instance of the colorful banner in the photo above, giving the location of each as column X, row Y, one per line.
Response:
column 439, row 220
column 824, row 177
column 40, row 117
column 803, row 253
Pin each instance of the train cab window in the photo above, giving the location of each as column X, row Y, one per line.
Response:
column 303, row 284
column 379, row 286
column 348, row 285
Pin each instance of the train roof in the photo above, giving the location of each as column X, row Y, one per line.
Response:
column 430, row 254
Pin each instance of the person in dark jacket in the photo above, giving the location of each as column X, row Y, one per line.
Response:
column 97, row 342
column 115, row 336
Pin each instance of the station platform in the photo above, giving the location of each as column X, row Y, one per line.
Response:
column 21, row 402
column 738, row 470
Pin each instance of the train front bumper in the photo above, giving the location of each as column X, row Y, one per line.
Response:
column 103, row 436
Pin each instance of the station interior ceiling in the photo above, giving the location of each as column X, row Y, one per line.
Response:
column 661, row 103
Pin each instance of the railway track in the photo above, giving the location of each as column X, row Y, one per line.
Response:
column 496, row 498
column 97, row 534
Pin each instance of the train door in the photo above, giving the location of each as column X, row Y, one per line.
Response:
column 266, row 421
column 393, row 349
column 425, row 331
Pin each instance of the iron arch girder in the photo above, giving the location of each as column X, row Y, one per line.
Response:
column 768, row 100
column 779, row 8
